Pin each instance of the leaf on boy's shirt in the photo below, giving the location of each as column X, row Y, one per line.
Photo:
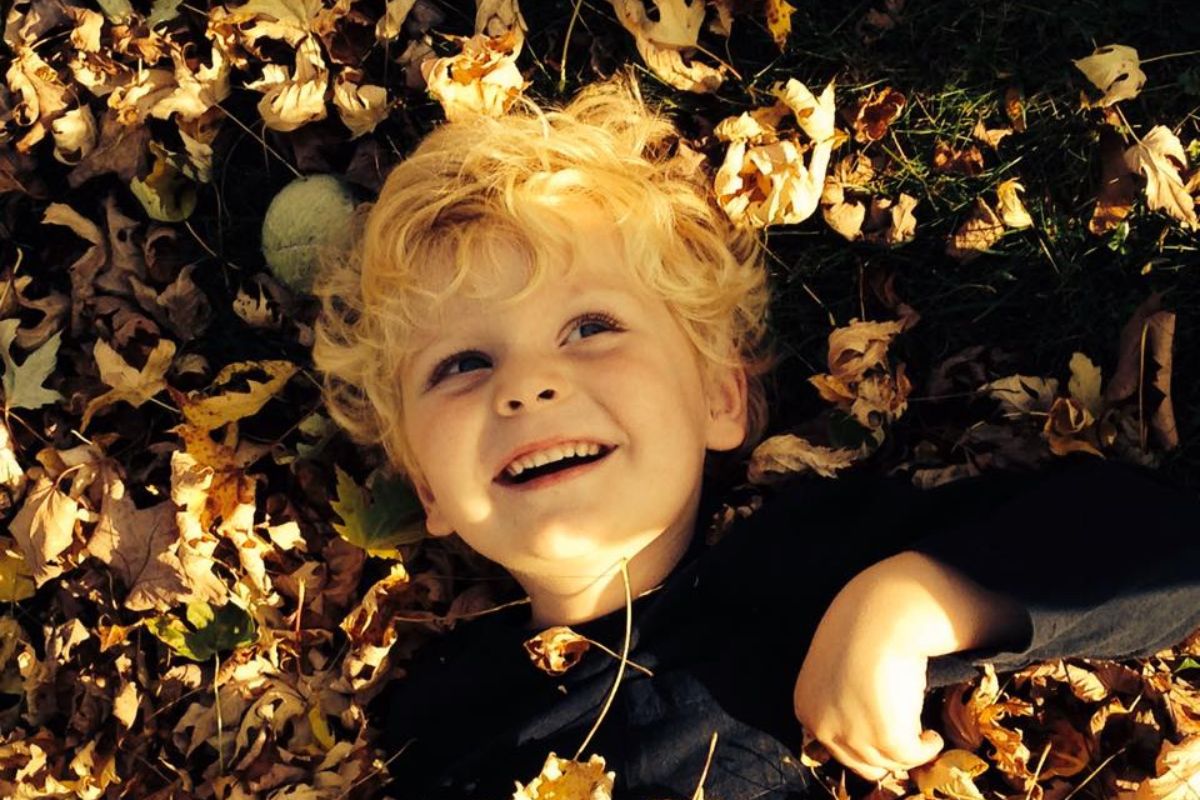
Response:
column 379, row 518
column 1160, row 158
column 950, row 775
column 555, row 650
column 1118, row 188
column 563, row 779
column 1116, row 71
column 481, row 79
column 1178, row 772
column 780, row 457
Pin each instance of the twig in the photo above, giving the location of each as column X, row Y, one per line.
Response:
column 261, row 141
column 712, row 747
column 562, row 62
column 620, row 667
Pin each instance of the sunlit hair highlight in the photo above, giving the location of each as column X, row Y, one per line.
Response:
column 475, row 192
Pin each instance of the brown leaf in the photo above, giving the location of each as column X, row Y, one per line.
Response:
column 1178, row 768
column 1070, row 428
column 978, row 232
column 1014, row 107
column 871, row 116
column 891, row 223
column 779, row 21
column 860, row 346
column 990, row 136
column 139, row 545
column 950, row 775
column 957, row 162
column 1145, row 359
column 562, row 779
column 134, row 386
column 121, row 150
column 555, row 650
column 1118, row 188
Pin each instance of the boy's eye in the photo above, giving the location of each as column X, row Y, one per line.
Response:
column 457, row 364
column 590, row 324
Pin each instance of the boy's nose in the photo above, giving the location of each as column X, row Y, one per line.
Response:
column 515, row 404
column 524, row 389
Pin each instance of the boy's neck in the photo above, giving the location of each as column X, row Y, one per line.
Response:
column 568, row 602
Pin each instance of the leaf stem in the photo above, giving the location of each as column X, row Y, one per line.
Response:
column 620, row 667
column 562, row 62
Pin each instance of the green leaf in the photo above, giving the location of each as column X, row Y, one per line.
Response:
column 162, row 11
column 23, row 385
column 210, row 631
column 166, row 195
column 378, row 520
column 116, row 10
column 1187, row 663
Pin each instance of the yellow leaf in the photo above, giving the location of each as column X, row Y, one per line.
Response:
column 562, row 779
column 555, row 650
column 320, row 728
column 1115, row 71
column 16, row 578
column 779, row 21
column 481, row 79
column 950, row 775
column 786, row 454
column 1178, row 768
column 979, row 231
column 263, row 380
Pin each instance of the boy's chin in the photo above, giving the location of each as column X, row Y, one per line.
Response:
column 568, row 552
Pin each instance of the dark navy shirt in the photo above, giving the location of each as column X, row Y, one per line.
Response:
column 1104, row 558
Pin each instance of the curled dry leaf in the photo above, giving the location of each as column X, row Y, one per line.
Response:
column 1084, row 385
column 1115, row 70
column 1160, row 158
column 872, row 115
column 360, row 106
column 1118, row 188
column 1022, row 395
column 1014, row 107
column 555, row 650
column 43, row 96
column 482, row 79
column 74, row 135
column 1178, row 768
column 562, row 779
column 782, row 456
column 763, row 179
column 290, row 101
column 1070, row 428
column 134, row 386
column 1009, row 204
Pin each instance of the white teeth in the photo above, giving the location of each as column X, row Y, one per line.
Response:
column 551, row 454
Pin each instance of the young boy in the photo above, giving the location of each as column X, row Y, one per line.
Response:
column 550, row 328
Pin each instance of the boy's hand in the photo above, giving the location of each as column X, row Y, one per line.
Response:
column 862, row 685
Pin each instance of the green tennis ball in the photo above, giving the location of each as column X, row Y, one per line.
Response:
column 307, row 214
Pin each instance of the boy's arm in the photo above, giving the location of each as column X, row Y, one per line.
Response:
column 862, row 684
column 1094, row 559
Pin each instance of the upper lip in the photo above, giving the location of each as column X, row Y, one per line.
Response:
column 543, row 444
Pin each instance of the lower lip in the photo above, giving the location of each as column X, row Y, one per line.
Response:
column 552, row 478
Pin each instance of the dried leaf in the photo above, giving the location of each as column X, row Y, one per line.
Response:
column 1069, row 428
column 950, row 775
column 360, row 106
column 1178, row 768
column 555, row 650
column 222, row 403
column 134, row 386
column 990, row 136
column 871, row 116
column 1009, row 204
column 1160, row 158
column 978, row 232
column 44, row 529
column 1084, row 385
column 957, row 162
column 1014, row 107
column 1114, row 70
column 779, row 21
column 23, row 384
column 16, row 577
column 482, row 79
column 782, row 456
column 1023, row 395
column 290, row 101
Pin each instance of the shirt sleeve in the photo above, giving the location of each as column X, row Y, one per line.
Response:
column 1104, row 558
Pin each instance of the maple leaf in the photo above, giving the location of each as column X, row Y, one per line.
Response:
column 1178, row 767
column 1114, row 70
column 206, row 632
column 139, row 546
column 1023, row 394
column 1160, row 158
column 663, row 43
column 291, row 100
column 23, row 384
column 379, row 519
column 134, row 386
column 360, row 106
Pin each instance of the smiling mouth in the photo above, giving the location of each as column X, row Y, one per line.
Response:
column 553, row 468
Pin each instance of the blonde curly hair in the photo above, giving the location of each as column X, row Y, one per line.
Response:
column 472, row 188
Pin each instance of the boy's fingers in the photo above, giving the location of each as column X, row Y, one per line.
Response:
column 917, row 751
column 866, row 761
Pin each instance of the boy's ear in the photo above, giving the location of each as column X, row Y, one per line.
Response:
column 435, row 522
column 727, row 407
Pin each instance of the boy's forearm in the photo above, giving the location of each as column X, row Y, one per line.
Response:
column 934, row 608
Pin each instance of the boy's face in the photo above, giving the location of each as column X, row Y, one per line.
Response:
column 587, row 358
